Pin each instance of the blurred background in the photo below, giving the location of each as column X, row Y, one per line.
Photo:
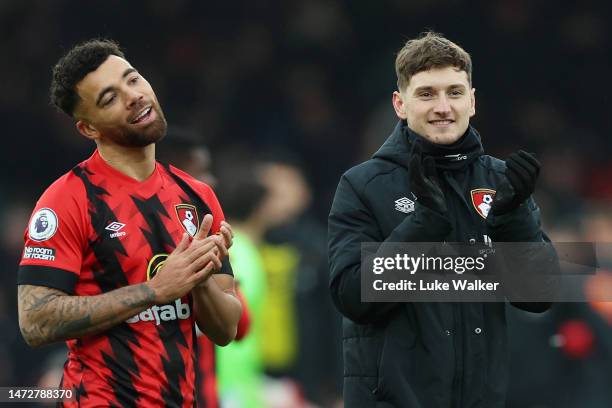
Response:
column 270, row 101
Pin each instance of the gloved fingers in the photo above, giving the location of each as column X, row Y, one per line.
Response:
column 528, row 164
column 519, row 184
column 522, row 168
column 531, row 158
column 503, row 199
column 527, row 161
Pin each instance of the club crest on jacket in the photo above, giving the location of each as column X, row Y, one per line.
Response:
column 482, row 199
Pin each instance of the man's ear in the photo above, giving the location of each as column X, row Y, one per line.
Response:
column 87, row 129
column 399, row 105
column 473, row 102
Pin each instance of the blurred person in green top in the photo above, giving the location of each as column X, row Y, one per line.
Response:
column 240, row 368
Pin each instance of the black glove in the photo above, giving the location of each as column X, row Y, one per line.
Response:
column 425, row 184
column 522, row 170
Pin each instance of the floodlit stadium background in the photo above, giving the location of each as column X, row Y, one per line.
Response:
column 309, row 82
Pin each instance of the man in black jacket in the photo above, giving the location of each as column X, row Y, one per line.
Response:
column 422, row 185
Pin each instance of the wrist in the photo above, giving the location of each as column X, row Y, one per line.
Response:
column 205, row 285
column 151, row 288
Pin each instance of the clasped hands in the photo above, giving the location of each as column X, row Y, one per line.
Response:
column 521, row 173
column 192, row 262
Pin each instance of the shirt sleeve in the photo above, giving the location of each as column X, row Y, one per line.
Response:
column 54, row 241
column 213, row 203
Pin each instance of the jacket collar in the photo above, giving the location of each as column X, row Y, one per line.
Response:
column 399, row 147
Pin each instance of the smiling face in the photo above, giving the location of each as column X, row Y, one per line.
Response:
column 118, row 106
column 437, row 104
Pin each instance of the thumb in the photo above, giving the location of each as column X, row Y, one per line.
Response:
column 183, row 244
column 205, row 226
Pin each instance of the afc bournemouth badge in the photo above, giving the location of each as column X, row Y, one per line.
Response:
column 482, row 199
column 188, row 217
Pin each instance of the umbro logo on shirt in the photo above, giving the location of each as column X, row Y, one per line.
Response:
column 116, row 228
column 404, row 205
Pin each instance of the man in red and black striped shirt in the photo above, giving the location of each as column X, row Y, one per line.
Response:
column 123, row 254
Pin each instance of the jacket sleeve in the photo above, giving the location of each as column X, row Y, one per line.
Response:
column 351, row 223
column 524, row 225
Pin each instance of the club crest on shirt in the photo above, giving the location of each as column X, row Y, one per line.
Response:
column 188, row 217
column 43, row 225
column 482, row 199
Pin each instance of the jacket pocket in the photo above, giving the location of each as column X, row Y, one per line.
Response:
column 396, row 364
column 361, row 357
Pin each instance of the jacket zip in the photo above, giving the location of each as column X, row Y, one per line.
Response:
column 459, row 323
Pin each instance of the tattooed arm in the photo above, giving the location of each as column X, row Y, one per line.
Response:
column 48, row 315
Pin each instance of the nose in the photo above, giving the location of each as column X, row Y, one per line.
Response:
column 442, row 106
column 133, row 97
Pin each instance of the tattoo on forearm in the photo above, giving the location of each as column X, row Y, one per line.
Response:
column 48, row 315
column 144, row 295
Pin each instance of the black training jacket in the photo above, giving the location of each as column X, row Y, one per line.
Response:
column 422, row 355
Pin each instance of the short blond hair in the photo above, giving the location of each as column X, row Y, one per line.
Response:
column 430, row 50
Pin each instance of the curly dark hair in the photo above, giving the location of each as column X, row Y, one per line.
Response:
column 79, row 61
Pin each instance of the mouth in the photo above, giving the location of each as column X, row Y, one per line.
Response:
column 143, row 116
column 441, row 122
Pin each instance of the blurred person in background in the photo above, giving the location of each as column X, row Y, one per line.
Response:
column 572, row 343
column 13, row 216
column 300, row 341
column 117, row 258
column 240, row 365
column 183, row 148
column 430, row 354
column 295, row 259
column 21, row 364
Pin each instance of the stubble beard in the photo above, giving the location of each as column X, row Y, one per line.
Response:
column 153, row 133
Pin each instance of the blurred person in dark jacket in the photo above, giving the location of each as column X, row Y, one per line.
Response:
column 183, row 148
column 426, row 184
column 572, row 343
column 295, row 230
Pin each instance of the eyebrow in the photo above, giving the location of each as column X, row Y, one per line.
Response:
column 111, row 87
column 431, row 88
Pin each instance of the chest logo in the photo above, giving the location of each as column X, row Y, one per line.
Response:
column 404, row 205
column 482, row 199
column 188, row 217
column 115, row 228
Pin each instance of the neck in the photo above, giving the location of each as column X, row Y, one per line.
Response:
column 456, row 155
column 135, row 162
